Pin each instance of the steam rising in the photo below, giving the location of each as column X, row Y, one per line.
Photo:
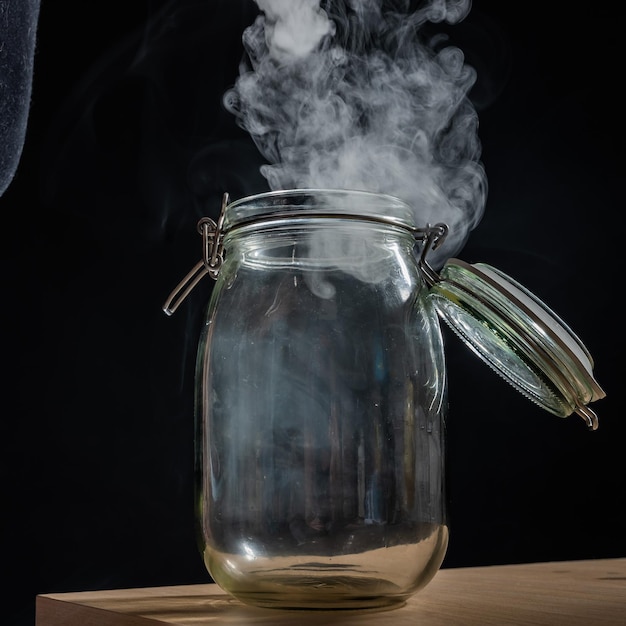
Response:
column 357, row 96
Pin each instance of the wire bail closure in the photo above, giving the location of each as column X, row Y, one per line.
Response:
column 433, row 237
column 213, row 253
column 212, row 258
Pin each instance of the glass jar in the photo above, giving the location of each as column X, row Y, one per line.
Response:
column 321, row 401
column 321, row 395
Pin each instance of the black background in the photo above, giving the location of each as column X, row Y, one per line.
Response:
column 127, row 146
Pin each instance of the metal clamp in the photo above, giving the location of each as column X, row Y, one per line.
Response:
column 433, row 237
column 212, row 259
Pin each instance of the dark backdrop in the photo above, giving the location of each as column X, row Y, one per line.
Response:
column 127, row 146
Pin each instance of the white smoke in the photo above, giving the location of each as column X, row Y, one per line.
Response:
column 293, row 29
column 359, row 96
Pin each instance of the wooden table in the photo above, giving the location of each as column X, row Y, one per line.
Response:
column 568, row 593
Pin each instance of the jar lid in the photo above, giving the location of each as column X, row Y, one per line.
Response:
column 517, row 335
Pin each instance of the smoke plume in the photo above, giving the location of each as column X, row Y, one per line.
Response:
column 365, row 95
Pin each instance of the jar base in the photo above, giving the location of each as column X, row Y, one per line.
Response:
column 378, row 579
column 330, row 595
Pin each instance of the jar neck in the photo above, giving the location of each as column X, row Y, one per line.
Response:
column 319, row 244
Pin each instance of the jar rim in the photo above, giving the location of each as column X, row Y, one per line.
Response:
column 313, row 202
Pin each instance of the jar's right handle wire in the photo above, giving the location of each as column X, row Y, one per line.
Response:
column 432, row 237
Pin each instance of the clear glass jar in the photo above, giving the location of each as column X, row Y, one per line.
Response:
column 320, row 406
column 321, row 393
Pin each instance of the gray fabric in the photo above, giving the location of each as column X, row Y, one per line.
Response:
column 18, row 26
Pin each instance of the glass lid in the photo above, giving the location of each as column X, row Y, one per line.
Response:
column 516, row 334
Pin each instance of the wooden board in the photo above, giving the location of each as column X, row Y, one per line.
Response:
column 567, row 593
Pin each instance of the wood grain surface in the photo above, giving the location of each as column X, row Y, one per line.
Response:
column 568, row 593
